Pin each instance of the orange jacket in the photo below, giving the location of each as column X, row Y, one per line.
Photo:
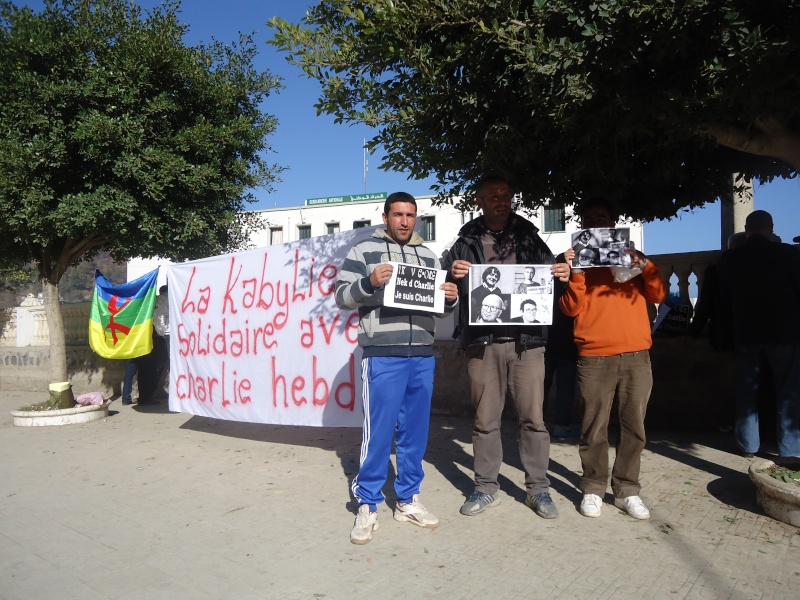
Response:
column 611, row 318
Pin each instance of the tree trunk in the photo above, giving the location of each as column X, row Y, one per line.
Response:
column 55, row 322
column 734, row 207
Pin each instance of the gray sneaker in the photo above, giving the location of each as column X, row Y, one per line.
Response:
column 478, row 502
column 542, row 505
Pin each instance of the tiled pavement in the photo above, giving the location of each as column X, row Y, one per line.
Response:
column 153, row 504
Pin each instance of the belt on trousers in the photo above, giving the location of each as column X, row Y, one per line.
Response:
column 502, row 340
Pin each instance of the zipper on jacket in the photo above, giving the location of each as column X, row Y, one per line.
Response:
column 410, row 321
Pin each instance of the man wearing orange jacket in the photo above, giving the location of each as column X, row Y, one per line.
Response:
column 612, row 332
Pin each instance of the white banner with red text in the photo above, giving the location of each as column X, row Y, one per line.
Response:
column 256, row 336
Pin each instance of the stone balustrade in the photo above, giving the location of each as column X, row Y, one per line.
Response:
column 27, row 326
column 76, row 323
column 677, row 270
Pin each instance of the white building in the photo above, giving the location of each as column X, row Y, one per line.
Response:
column 438, row 225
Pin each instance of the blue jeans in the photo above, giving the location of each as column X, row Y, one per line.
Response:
column 784, row 360
column 127, row 383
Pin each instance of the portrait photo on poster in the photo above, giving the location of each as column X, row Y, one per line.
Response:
column 602, row 247
column 518, row 294
column 415, row 288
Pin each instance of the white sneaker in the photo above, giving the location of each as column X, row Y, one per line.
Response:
column 591, row 505
column 366, row 523
column 634, row 506
column 415, row 513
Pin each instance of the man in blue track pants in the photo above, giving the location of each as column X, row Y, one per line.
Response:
column 396, row 369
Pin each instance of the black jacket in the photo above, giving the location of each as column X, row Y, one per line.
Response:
column 761, row 279
column 713, row 308
column 530, row 249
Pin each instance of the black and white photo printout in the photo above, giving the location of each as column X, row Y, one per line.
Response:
column 510, row 294
column 602, row 247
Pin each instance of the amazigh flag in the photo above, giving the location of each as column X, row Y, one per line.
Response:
column 121, row 322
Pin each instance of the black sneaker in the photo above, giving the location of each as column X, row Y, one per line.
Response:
column 542, row 505
column 478, row 502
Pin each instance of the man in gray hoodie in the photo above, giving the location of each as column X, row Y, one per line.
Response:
column 396, row 369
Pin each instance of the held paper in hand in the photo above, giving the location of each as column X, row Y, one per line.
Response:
column 415, row 288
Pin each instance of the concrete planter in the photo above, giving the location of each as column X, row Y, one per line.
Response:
column 64, row 416
column 780, row 500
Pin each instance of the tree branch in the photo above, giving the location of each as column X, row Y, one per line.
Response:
column 766, row 137
column 72, row 252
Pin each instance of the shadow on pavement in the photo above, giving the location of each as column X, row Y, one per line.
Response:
column 733, row 487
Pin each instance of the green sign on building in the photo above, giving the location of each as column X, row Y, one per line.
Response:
column 340, row 199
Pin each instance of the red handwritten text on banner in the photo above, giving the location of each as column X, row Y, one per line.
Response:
column 256, row 336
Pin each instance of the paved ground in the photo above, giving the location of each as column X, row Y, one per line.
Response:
column 151, row 504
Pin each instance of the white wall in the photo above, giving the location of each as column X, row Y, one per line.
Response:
column 141, row 266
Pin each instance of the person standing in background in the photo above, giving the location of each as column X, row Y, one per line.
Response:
column 761, row 281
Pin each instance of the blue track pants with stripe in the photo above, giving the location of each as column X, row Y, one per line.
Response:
column 397, row 401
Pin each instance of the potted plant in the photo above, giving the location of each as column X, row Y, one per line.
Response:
column 778, row 488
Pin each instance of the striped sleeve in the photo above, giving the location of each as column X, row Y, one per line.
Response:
column 353, row 288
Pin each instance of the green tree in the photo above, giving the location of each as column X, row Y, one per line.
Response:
column 117, row 136
column 13, row 276
column 655, row 103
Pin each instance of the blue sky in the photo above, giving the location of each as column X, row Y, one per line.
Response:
column 326, row 159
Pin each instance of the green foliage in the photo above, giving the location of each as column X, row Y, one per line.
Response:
column 116, row 136
column 566, row 99
column 44, row 405
column 15, row 277
column 783, row 473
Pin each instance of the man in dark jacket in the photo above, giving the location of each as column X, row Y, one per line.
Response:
column 761, row 279
column 503, row 357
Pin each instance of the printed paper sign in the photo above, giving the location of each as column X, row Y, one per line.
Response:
column 415, row 287
column 511, row 294
column 601, row 247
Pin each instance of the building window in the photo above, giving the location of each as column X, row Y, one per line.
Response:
column 428, row 229
column 360, row 224
column 303, row 232
column 553, row 218
column 332, row 227
column 275, row 235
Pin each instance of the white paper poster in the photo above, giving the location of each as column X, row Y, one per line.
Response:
column 415, row 287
